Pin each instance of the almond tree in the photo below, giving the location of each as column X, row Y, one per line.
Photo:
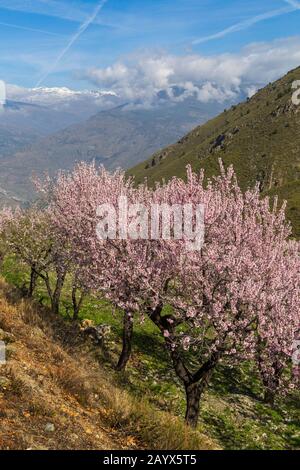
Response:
column 117, row 269
column 27, row 236
column 75, row 198
column 219, row 297
column 217, row 294
column 31, row 236
column 278, row 321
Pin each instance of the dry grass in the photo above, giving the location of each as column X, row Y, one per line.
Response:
column 159, row 430
column 74, row 381
column 54, row 377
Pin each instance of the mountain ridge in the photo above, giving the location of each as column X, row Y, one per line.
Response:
column 260, row 137
column 119, row 137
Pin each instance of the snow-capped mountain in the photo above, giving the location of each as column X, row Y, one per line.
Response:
column 57, row 95
column 29, row 114
column 43, row 111
column 59, row 127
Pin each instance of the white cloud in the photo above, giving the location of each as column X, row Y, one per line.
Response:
column 251, row 90
column 217, row 77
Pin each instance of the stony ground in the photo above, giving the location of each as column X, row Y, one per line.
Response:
column 46, row 401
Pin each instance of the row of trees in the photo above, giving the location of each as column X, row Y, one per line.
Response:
column 234, row 300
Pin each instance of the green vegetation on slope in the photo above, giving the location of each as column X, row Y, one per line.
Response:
column 260, row 137
column 57, row 393
column 233, row 414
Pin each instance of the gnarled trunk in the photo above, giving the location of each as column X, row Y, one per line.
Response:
column 32, row 284
column 76, row 310
column 55, row 305
column 269, row 397
column 127, row 341
column 271, row 383
column 194, row 391
column 55, row 297
column 193, row 395
column 194, row 383
column 76, row 302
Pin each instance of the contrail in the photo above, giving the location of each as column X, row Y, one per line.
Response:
column 250, row 22
column 83, row 27
column 10, row 25
column 293, row 3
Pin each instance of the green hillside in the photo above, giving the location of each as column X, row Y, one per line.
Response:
column 260, row 137
column 141, row 408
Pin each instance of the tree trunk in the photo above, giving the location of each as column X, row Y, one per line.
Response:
column 193, row 395
column 55, row 299
column 55, row 305
column 33, row 279
column 269, row 397
column 75, row 313
column 194, row 383
column 75, row 304
column 272, row 383
column 194, row 391
column 127, row 341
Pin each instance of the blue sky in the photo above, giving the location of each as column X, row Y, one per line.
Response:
column 55, row 42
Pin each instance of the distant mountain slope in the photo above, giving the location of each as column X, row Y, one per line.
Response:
column 120, row 137
column 49, row 110
column 23, row 123
column 260, row 137
column 31, row 114
column 33, row 118
column 13, row 139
